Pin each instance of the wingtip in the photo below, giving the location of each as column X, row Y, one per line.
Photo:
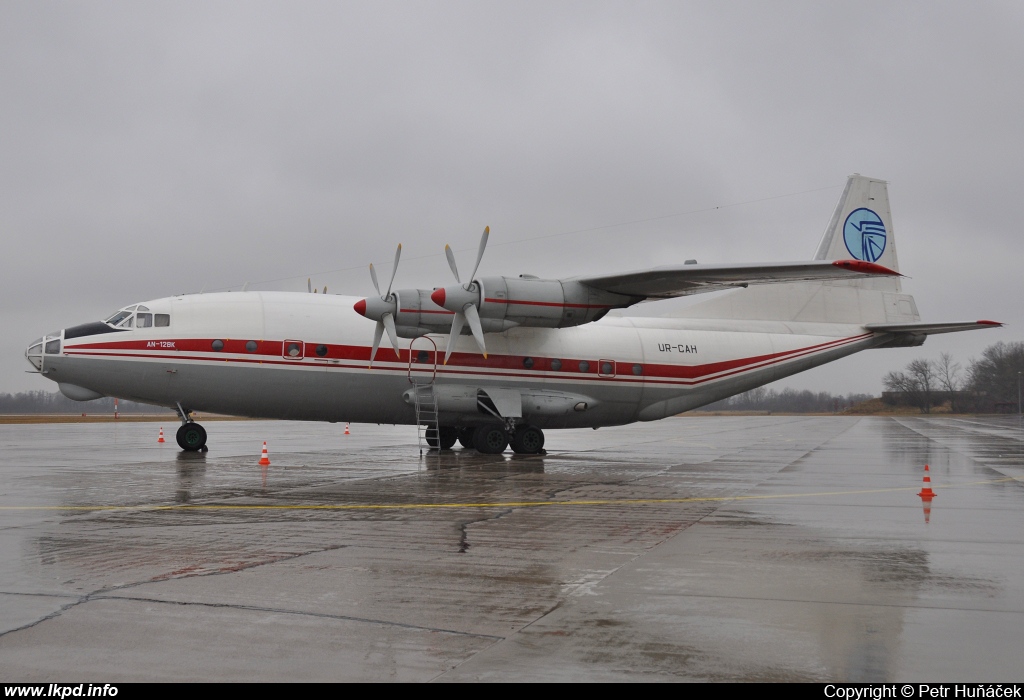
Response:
column 990, row 323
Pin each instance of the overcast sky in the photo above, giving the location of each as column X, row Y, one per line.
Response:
column 148, row 149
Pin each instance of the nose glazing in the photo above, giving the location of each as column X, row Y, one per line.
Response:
column 49, row 344
column 34, row 353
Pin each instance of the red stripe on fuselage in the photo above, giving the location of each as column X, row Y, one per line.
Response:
column 269, row 352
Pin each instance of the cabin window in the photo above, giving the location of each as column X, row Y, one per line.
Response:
column 638, row 370
column 556, row 365
column 217, row 345
column 584, row 366
column 143, row 320
column 527, row 362
column 321, row 351
column 250, row 346
column 293, row 349
column 422, row 357
column 161, row 320
column 606, row 368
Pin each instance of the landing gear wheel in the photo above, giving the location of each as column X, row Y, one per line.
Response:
column 443, row 438
column 430, row 435
column 490, row 439
column 528, row 441
column 191, row 437
column 447, row 437
column 466, row 437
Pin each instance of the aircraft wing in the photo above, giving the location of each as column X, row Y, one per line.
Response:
column 682, row 280
column 930, row 328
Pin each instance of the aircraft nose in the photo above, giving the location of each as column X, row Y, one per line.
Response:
column 49, row 344
column 34, row 353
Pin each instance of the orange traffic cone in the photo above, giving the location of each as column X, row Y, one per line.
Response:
column 265, row 460
column 346, row 429
column 161, row 434
column 927, row 492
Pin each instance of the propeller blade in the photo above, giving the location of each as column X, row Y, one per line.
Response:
column 394, row 270
column 309, row 285
column 389, row 324
column 373, row 276
column 457, row 324
column 377, row 334
column 474, row 324
column 451, row 262
column 480, row 253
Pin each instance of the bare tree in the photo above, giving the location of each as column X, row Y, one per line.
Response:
column 917, row 384
column 949, row 377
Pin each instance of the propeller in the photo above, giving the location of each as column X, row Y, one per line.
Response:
column 382, row 308
column 464, row 300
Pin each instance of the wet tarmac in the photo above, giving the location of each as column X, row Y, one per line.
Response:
column 695, row 548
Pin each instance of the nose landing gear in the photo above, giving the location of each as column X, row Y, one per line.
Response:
column 191, row 436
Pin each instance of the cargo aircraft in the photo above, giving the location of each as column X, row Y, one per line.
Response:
column 494, row 361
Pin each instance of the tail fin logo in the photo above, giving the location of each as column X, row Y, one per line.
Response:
column 864, row 234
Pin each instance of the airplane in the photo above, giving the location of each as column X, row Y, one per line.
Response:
column 492, row 362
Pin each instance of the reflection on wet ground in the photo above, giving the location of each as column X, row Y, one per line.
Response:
column 709, row 548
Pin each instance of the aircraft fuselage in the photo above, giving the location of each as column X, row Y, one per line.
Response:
column 306, row 357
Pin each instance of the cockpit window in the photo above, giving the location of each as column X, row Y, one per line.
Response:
column 138, row 316
column 118, row 317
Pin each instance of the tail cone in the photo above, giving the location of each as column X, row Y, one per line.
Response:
column 264, row 460
column 927, row 492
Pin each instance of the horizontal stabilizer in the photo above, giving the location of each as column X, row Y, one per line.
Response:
column 931, row 328
column 682, row 280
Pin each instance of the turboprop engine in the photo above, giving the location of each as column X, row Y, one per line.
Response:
column 530, row 301
column 486, row 305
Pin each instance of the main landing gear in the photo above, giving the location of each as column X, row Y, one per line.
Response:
column 493, row 439
column 191, row 436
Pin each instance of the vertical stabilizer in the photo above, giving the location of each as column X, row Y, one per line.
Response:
column 861, row 227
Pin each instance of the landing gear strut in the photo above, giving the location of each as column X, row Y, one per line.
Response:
column 191, row 436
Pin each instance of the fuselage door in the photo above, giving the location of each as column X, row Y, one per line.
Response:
column 422, row 360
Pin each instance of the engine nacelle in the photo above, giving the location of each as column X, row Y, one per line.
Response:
column 507, row 302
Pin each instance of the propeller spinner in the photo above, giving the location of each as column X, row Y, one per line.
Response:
column 382, row 309
column 463, row 299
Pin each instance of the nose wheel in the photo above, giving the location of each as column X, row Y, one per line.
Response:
column 191, row 437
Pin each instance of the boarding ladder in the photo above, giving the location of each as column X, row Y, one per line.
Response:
column 426, row 415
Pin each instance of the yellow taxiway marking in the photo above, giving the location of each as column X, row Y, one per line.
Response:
column 497, row 504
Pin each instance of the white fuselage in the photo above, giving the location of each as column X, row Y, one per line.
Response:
column 307, row 356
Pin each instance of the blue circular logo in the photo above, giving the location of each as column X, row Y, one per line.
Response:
column 864, row 235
